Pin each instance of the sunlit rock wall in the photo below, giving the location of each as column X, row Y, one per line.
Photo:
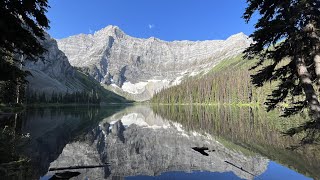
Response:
column 140, row 67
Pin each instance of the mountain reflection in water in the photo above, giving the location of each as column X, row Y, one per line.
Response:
column 140, row 142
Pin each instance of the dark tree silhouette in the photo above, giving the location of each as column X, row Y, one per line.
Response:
column 22, row 25
column 288, row 31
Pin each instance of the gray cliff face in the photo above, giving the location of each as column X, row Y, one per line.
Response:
column 138, row 142
column 140, row 67
column 54, row 73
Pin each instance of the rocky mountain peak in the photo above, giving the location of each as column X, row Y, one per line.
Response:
column 239, row 36
column 110, row 30
column 137, row 68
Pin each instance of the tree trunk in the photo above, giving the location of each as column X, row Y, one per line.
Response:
column 316, row 61
column 311, row 30
column 311, row 96
column 18, row 81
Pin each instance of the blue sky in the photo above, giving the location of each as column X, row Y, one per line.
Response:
column 165, row 19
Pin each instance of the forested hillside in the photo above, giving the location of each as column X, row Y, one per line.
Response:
column 228, row 83
column 92, row 93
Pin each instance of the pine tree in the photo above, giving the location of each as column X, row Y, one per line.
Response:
column 287, row 31
column 22, row 26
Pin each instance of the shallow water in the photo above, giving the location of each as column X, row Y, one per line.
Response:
column 143, row 142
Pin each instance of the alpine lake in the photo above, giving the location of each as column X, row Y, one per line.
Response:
column 154, row 142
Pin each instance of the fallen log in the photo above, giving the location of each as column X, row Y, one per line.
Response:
column 239, row 168
column 78, row 167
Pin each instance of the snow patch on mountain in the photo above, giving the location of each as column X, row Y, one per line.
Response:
column 136, row 88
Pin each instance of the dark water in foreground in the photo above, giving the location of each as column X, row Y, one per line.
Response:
column 142, row 142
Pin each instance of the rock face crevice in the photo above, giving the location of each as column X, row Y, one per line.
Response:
column 107, row 52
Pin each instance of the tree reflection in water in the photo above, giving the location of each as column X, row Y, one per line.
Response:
column 255, row 130
column 28, row 156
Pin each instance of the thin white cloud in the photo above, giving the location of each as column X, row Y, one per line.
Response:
column 90, row 31
column 151, row 26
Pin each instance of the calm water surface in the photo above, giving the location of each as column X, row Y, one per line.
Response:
column 143, row 142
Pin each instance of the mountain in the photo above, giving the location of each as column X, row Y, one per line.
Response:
column 54, row 74
column 137, row 68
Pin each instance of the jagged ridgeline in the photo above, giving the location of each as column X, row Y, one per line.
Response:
column 136, row 68
column 229, row 82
